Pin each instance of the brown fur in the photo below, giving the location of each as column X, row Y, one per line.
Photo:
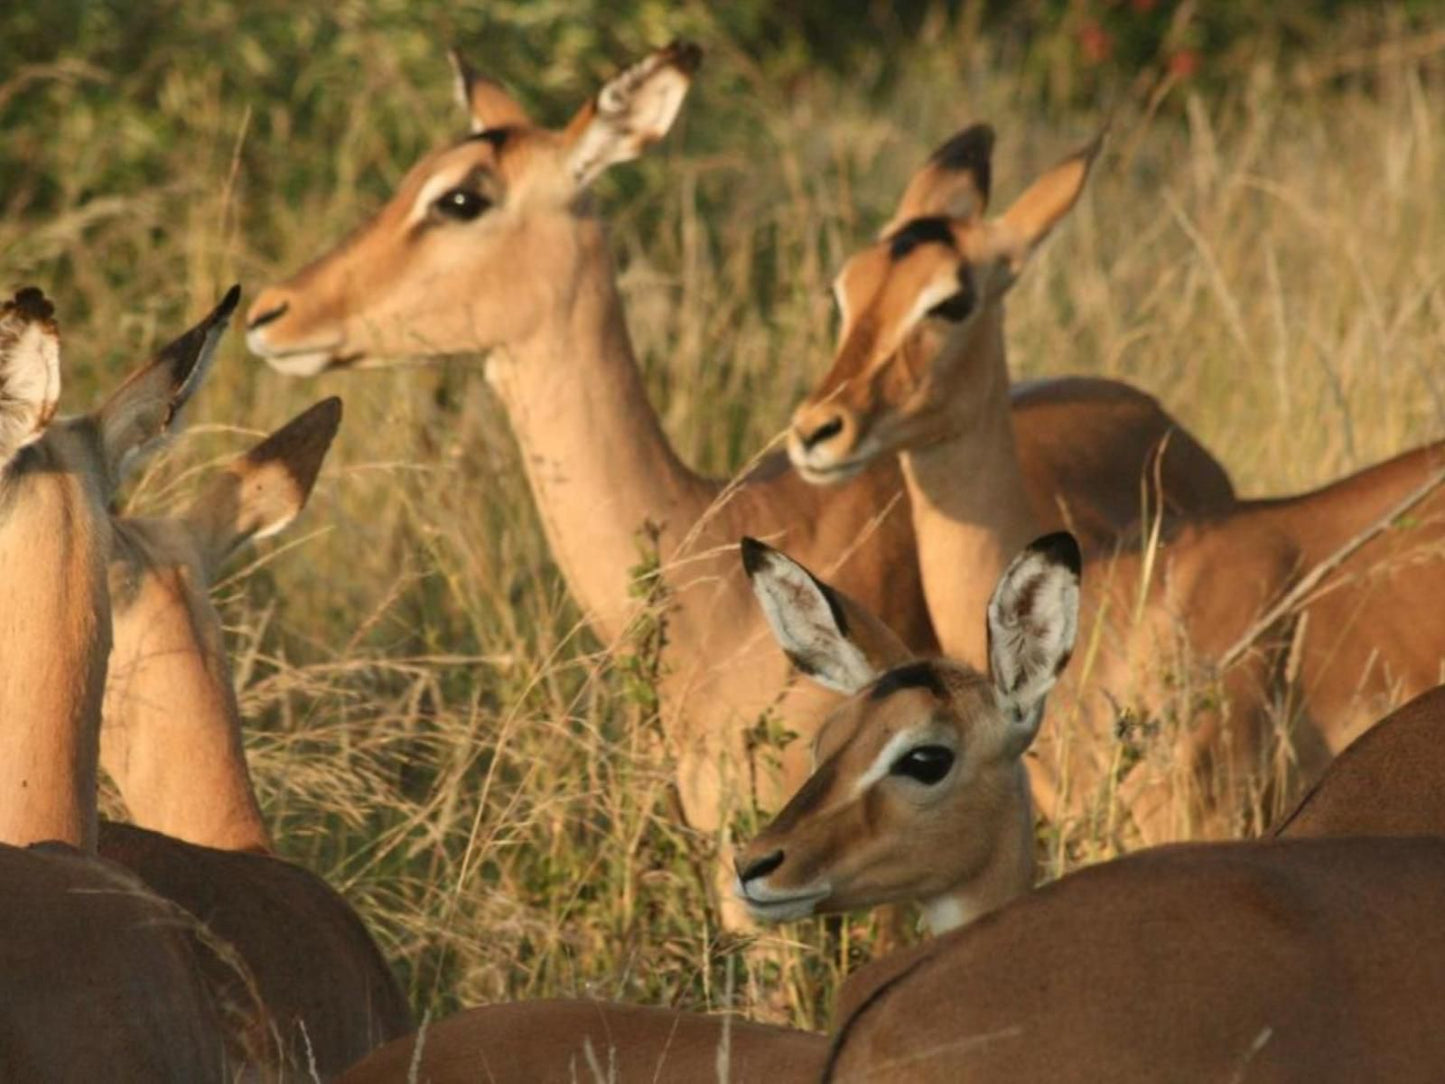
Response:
column 172, row 740
column 1387, row 783
column 1291, row 960
column 303, row 953
column 562, row 1042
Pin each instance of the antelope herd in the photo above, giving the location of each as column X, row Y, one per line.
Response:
column 927, row 553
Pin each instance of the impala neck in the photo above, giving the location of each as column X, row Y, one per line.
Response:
column 596, row 458
column 54, row 642
column 970, row 508
column 172, row 735
column 1010, row 872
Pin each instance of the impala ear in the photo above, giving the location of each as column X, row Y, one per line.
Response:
column 1041, row 207
column 146, row 408
column 260, row 493
column 828, row 636
column 29, row 369
column 1033, row 618
column 953, row 183
column 632, row 111
column 487, row 104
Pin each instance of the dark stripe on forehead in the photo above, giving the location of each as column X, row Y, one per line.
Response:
column 497, row 137
column 914, row 675
column 919, row 231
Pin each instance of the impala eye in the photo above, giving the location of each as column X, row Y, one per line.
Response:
column 927, row 763
column 461, row 204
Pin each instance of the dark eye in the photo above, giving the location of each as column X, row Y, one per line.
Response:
column 461, row 204
column 927, row 763
column 954, row 309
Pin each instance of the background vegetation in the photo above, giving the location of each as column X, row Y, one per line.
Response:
column 428, row 724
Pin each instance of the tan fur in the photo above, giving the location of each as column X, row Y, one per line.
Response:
column 172, row 741
column 938, row 400
column 532, row 281
column 559, row 1042
column 169, row 698
column 101, row 980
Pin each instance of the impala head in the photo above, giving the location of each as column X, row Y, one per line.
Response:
column 482, row 242
column 919, row 790
column 921, row 308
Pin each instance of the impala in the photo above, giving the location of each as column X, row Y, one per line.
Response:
column 492, row 244
column 172, row 741
column 920, row 374
column 302, row 959
column 98, row 979
column 562, row 1042
column 1284, row 960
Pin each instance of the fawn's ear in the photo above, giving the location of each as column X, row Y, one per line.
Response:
column 1033, row 618
column 146, row 409
column 953, row 183
column 487, row 103
column 1041, row 207
column 261, row 492
column 29, row 369
column 828, row 636
column 633, row 110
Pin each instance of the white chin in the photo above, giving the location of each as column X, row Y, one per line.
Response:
column 782, row 910
column 827, row 476
column 300, row 364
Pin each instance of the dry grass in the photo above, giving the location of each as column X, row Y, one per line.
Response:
column 429, row 725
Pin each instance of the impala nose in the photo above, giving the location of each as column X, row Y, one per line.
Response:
column 821, row 432
column 758, row 867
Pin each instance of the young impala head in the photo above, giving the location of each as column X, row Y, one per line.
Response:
column 485, row 239
column 919, row 790
column 921, row 308
column 172, row 736
column 56, row 477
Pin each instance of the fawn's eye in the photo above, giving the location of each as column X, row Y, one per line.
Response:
column 461, row 204
column 926, row 763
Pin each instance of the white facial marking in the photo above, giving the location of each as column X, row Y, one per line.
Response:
column 884, row 760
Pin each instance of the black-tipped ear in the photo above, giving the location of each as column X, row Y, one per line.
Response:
column 146, row 408
column 261, row 492
column 953, row 184
column 827, row 635
column 1033, row 618
column 969, row 151
column 631, row 111
column 487, row 103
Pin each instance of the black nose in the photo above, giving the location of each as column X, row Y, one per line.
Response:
column 269, row 315
column 758, row 867
column 827, row 431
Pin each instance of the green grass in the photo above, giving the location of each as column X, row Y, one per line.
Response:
column 429, row 725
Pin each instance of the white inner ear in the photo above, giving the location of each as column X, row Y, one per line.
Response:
column 29, row 385
column 635, row 109
column 1032, row 620
column 803, row 624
